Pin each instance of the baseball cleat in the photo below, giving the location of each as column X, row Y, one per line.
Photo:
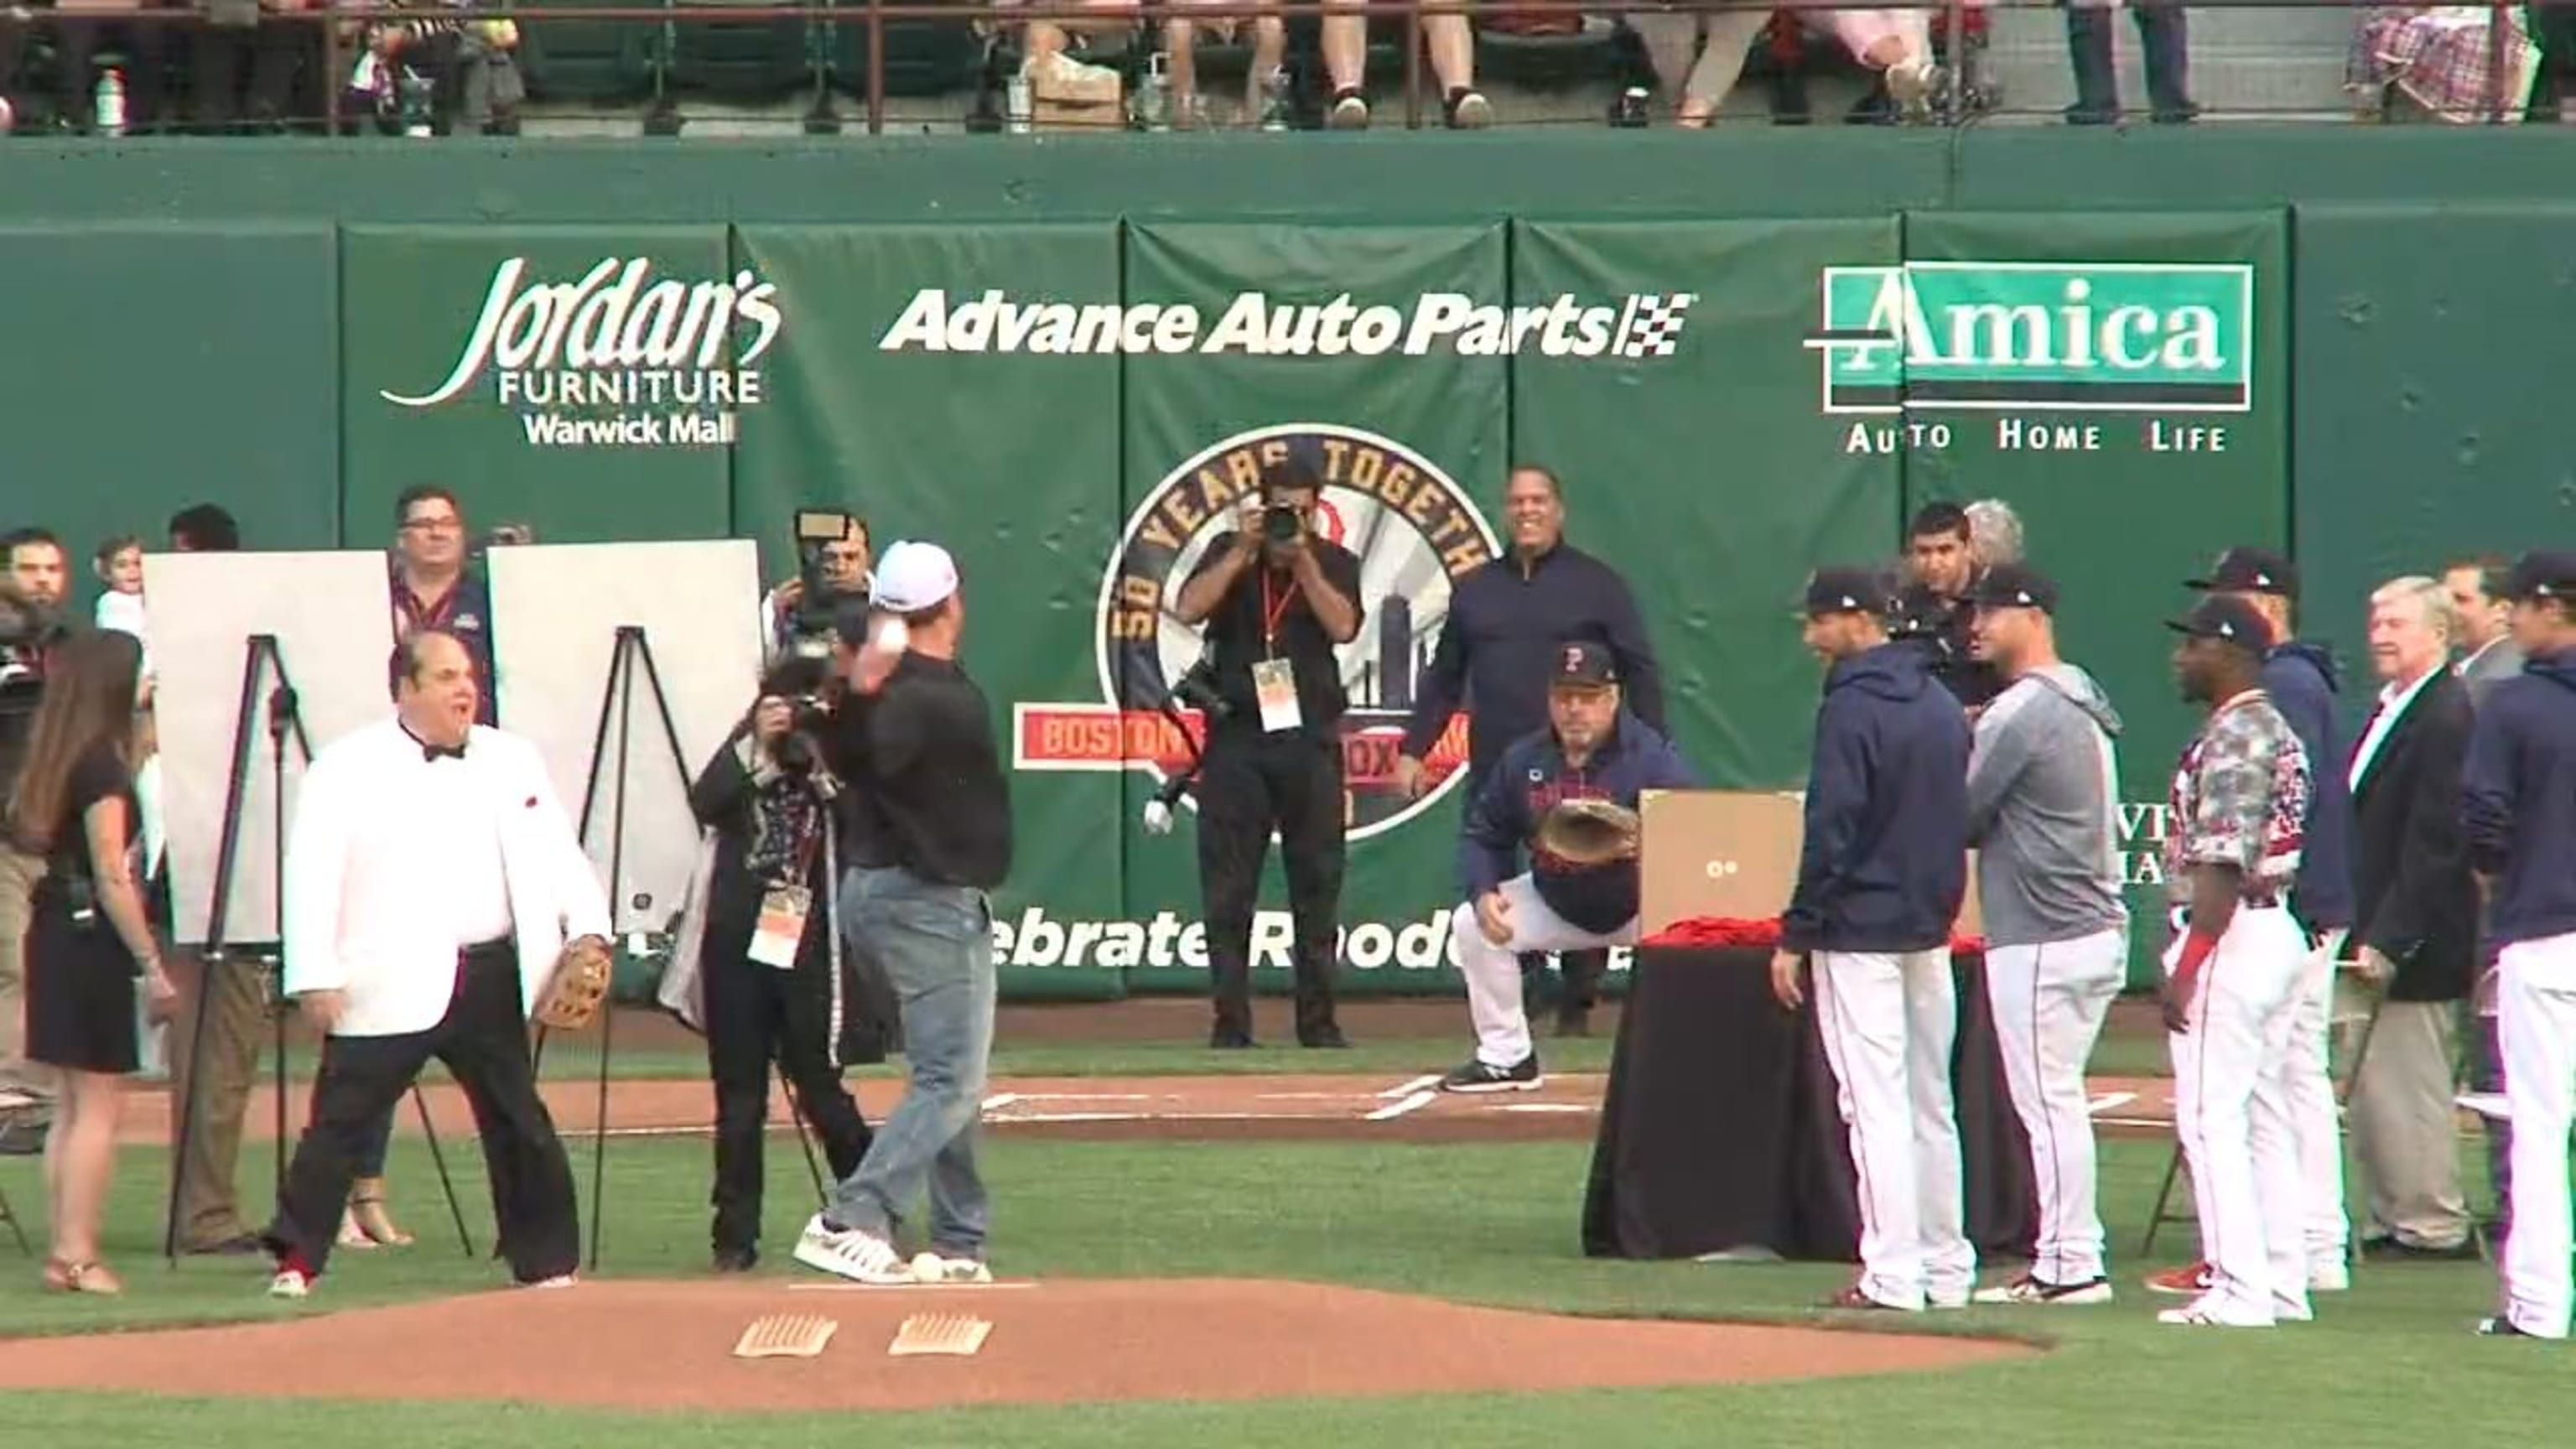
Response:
column 2032, row 1290
column 2190, row 1280
column 858, row 1256
column 290, row 1283
column 2500, row 1327
column 1478, row 1076
column 2329, row 1278
column 2201, row 1314
column 1853, row 1298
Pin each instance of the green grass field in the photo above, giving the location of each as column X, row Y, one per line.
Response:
column 2389, row 1363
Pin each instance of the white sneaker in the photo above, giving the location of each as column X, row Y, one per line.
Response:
column 560, row 1280
column 290, row 1283
column 858, row 1256
column 2029, row 1290
column 2329, row 1278
column 2202, row 1312
column 932, row 1268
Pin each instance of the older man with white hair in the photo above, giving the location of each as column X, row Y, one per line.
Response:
column 2415, row 926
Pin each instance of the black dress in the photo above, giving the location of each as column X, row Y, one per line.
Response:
column 81, row 981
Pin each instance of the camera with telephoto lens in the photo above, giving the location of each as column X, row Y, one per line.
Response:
column 1197, row 689
column 1281, row 524
column 800, row 682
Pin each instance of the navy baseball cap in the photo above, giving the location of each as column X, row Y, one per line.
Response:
column 1582, row 664
column 2250, row 571
column 2233, row 620
column 1846, row 591
column 2543, row 573
column 2014, row 586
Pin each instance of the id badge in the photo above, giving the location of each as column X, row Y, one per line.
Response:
column 782, row 926
column 1274, row 686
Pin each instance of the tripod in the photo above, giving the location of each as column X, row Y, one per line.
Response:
column 260, row 659
column 631, row 651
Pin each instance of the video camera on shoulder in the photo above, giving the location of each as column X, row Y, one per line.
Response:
column 819, row 531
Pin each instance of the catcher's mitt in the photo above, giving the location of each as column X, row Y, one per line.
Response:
column 579, row 985
column 1589, row 832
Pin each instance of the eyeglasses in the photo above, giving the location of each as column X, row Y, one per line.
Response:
column 433, row 525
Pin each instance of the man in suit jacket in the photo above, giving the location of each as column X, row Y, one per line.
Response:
column 2487, row 652
column 2414, row 927
column 431, row 881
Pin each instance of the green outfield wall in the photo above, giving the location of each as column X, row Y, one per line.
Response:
column 1747, row 353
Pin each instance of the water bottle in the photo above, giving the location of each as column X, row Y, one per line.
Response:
column 1154, row 98
column 1274, row 100
column 1016, row 103
column 413, row 89
column 108, row 108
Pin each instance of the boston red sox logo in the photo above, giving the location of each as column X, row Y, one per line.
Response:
column 1573, row 658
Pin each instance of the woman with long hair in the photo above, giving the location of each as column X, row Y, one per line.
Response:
column 89, row 937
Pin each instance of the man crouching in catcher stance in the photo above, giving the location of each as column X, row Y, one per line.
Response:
column 431, row 881
column 1580, row 892
column 930, row 834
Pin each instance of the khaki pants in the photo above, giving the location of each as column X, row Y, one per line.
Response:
column 2404, row 1130
column 18, row 1076
column 226, row 1050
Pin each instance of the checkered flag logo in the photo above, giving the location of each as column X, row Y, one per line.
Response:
column 1651, row 324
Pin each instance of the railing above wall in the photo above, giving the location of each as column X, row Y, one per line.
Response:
column 657, row 68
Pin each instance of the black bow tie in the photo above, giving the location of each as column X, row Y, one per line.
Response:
column 432, row 753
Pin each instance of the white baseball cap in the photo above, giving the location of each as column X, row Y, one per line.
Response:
column 911, row 577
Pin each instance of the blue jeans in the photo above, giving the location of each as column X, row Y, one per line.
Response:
column 936, row 942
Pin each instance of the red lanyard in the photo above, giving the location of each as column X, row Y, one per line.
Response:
column 1272, row 611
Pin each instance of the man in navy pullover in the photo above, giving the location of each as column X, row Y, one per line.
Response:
column 1591, row 748
column 1506, row 619
column 1882, row 871
column 2299, row 679
column 2518, row 810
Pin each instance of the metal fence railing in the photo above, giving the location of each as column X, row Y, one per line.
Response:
column 105, row 66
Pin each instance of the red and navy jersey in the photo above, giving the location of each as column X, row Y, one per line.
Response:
column 1533, row 777
column 465, row 611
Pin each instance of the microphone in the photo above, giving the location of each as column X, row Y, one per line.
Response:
column 281, row 711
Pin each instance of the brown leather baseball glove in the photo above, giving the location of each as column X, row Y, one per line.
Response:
column 580, row 983
column 1589, row 832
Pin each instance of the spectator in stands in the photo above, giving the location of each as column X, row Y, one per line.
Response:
column 2445, row 63
column 1264, row 85
column 120, row 568
column 1048, row 46
column 437, row 76
column 203, row 528
column 2162, row 31
column 78, row 38
column 243, row 64
column 1898, row 45
column 1453, row 62
column 1698, row 85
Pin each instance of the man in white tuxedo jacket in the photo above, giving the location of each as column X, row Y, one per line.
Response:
column 432, row 880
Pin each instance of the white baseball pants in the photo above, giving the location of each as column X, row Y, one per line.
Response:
column 1889, row 1021
column 2048, row 1003
column 2232, row 1112
column 2325, row 1225
column 2536, row 1016
column 1494, row 972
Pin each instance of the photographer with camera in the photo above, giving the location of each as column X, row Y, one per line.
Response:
column 832, row 558
column 1931, row 613
column 1275, row 600
column 33, row 578
column 772, row 980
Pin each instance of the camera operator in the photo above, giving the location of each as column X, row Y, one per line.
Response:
column 771, row 982
column 33, row 577
column 1275, row 600
column 1931, row 612
column 832, row 558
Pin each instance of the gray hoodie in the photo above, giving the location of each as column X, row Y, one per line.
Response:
column 2044, row 810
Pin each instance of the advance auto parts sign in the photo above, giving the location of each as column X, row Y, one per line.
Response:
column 1414, row 531
column 614, row 356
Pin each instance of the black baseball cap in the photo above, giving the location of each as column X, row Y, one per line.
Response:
column 1846, row 591
column 2014, row 586
column 2543, row 573
column 2233, row 620
column 2250, row 571
column 1582, row 664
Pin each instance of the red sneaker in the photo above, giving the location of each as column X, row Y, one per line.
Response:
column 2190, row 1280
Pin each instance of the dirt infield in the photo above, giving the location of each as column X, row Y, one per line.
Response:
column 1228, row 1108
column 668, row 1346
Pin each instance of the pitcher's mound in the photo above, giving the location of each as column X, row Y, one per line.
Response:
column 669, row 1345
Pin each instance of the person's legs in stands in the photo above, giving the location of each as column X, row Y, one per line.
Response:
column 2165, row 36
column 1897, row 43
column 2088, row 48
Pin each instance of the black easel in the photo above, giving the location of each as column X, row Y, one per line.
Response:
column 617, row 702
column 260, row 657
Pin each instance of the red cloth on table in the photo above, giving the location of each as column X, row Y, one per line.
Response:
column 1735, row 932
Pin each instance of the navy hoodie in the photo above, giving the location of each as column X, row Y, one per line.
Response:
column 1498, row 648
column 1884, row 864
column 2518, row 800
column 1530, row 779
column 2300, row 678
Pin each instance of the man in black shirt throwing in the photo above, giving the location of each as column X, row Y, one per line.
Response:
column 1275, row 600
column 930, row 833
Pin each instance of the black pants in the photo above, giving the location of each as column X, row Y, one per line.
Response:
column 483, row 1039
column 2165, row 37
column 1249, row 784
column 756, row 1014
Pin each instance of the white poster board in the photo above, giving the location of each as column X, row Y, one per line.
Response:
column 556, row 613
column 331, row 616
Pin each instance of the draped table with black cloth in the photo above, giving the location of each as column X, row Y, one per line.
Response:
column 1720, row 1132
